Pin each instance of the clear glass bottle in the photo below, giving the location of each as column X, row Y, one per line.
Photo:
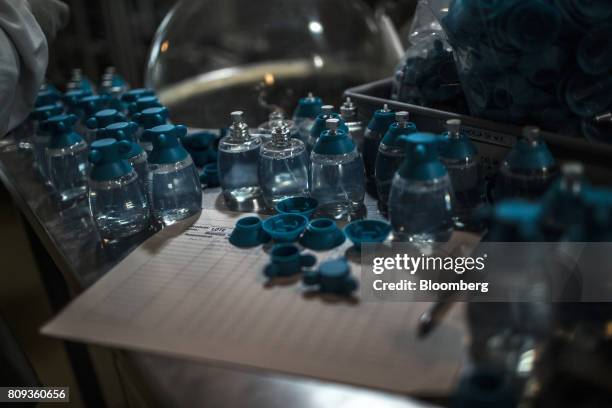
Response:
column 391, row 154
column 528, row 170
column 420, row 202
column 66, row 158
column 41, row 137
column 173, row 186
column 305, row 114
column 283, row 167
column 460, row 157
column 337, row 173
column 148, row 119
column 276, row 119
column 238, row 162
column 116, row 199
column 377, row 128
column 348, row 113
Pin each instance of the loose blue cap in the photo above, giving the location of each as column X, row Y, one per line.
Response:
column 532, row 26
column 333, row 276
column 123, row 131
column 286, row 260
column 305, row 206
column 530, row 152
column 166, row 146
column 60, row 127
column 48, row 96
column 134, row 94
column 108, row 157
column 398, row 129
column 335, row 140
column 71, row 98
column 198, row 140
column 512, row 221
column 456, row 144
column 151, row 117
column 90, row 105
column 143, row 103
column 210, row 175
column 248, row 233
column 322, row 234
column 308, row 107
column 285, row 227
column 367, row 232
column 381, row 120
column 200, row 157
column 103, row 118
column 42, row 113
column 319, row 125
column 482, row 387
column 421, row 162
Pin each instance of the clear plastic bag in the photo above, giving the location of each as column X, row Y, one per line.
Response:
column 545, row 62
column 426, row 74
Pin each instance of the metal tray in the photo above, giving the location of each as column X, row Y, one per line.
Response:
column 493, row 139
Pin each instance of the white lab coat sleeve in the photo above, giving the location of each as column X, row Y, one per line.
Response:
column 24, row 56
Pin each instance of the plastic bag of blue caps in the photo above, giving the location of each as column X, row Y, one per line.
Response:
column 545, row 62
column 426, row 75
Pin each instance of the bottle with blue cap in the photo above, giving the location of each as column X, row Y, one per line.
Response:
column 88, row 107
column 113, row 84
column 78, row 81
column 460, row 157
column 528, row 169
column 348, row 113
column 116, row 200
column 378, row 126
column 391, row 154
column 142, row 103
column 420, row 202
column 319, row 125
column 132, row 96
column 48, row 95
column 283, row 167
column 305, row 114
column 41, row 137
column 337, row 172
column 66, row 158
column 173, row 187
column 71, row 101
column 239, row 162
column 148, row 119
column 102, row 119
column 137, row 157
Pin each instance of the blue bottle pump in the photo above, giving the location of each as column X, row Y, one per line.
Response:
column 319, row 125
column 103, row 118
column 143, row 103
column 377, row 127
column 148, row 119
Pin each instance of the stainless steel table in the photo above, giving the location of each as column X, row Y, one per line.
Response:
column 68, row 249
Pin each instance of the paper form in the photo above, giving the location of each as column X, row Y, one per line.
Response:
column 191, row 294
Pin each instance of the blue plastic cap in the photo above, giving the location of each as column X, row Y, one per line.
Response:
column 45, row 112
column 123, row 131
column 456, row 144
column 71, row 98
column 151, row 117
column 322, row 234
column 166, row 146
column 285, row 227
column 381, row 120
column 92, row 104
column 60, row 128
column 530, row 152
column 108, row 157
column 198, row 140
column 134, row 94
column 210, row 175
column 319, row 125
column 422, row 161
column 104, row 118
column 367, row 231
column 333, row 276
column 396, row 131
column 305, row 206
column 143, row 103
column 308, row 107
column 286, row 260
column 48, row 96
column 335, row 140
column 248, row 233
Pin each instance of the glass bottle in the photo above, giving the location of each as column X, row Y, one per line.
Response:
column 137, row 157
column 173, row 186
column 283, row 167
column 305, row 114
column 66, row 158
column 420, row 202
column 460, row 157
column 348, row 113
column 391, row 154
column 41, row 137
column 319, row 125
column 117, row 203
column 378, row 126
column 238, row 162
column 337, row 173
column 528, row 170
column 276, row 119
column 148, row 119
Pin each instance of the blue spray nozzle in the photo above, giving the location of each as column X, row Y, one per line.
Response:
column 43, row 113
column 381, row 120
column 335, row 139
column 308, row 107
column 151, row 117
column 143, row 103
column 48, row 96
column 103, row 118
column 122, row 131
column 402, row 127
column 90, row 105
column 60, row 128
column 134, row 94
column 108, row 157
column 166, row 146
column 422, row 162
column 71, row 98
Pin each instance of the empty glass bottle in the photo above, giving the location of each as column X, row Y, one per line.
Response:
column 136, row 156
column 116, row 200
column 173, row 186
column 283, row 167
column 66, row 158
column 337, row 172
column 528, row 170
column 460, row 157
column 238, row 162
column 305, row 114
column 319, row 125
column 378, row 126
column 41, row 137
column 420, row 203
column 391, row 154
column 348, row 113
column 148, row 119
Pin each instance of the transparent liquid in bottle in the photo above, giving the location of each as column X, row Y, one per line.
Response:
column 68, row 168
